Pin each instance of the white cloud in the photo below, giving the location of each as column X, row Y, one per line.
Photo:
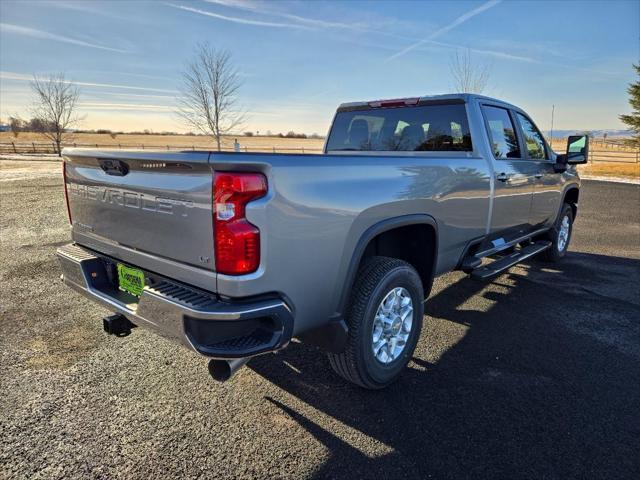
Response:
column 259, row 7
column 125, row 106
column 244, row 21
column 264, row 8
column 41, row 34
column 90, row 8
column 136, row 95
column 28, row 78
column 490, row 53
column 447, row 28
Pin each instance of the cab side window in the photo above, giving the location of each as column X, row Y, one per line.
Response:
column 502, row 133
column 532, row 138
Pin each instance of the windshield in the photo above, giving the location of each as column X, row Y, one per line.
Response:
column 427, row 128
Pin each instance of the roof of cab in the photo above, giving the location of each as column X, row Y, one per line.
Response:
column 466, row 97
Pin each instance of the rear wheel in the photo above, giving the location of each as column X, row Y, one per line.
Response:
column 560, row 235
column 385, row 318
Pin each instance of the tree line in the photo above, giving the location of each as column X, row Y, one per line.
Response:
column 37, row 125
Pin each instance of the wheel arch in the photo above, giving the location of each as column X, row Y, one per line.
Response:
column 384, row 229
column 332, row 336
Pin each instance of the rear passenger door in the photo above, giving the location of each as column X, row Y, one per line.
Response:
column 514, row 176
column 547, row 189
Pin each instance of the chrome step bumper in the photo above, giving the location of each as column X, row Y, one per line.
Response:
column 189, row 316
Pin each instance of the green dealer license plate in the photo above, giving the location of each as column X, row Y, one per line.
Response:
column 130, row 279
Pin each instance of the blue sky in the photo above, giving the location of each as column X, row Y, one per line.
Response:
column 300, row 59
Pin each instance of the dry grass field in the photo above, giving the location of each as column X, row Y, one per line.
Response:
column 630, row 170
column 126, row 140
column 608, row 159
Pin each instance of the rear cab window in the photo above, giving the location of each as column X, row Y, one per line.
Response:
column 419, row 128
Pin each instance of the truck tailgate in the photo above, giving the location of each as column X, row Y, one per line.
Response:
column 153, row 202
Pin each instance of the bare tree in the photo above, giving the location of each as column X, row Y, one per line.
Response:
column 54, row 105
column 468, row 77
column 208, row 100
column 17, row 125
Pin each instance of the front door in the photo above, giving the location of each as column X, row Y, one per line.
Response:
column 547, row 190
column 514, row 177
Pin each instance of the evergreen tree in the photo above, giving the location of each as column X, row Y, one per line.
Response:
column 633, row 120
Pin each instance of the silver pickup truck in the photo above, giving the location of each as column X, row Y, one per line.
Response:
column 234, row 254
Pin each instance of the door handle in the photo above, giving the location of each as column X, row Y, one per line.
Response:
column 503, row 177
column 538, row 175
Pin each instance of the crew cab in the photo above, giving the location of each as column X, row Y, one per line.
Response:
column 234, row 254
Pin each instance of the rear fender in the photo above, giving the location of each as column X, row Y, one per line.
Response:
column 332, row 336
column 371, row 233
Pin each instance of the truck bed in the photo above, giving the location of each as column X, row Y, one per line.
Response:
column 159, row 215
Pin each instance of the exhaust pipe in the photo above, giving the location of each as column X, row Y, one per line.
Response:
column 223, row 370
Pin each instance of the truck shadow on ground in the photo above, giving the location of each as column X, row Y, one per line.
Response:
column 542, row 380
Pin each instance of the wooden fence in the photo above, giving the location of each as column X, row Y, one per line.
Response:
column 50, row 148
column 597, row 154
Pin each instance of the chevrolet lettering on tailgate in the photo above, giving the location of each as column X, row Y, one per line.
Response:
column 129, row 199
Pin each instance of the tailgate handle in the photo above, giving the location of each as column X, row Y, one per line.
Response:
column 114, row 167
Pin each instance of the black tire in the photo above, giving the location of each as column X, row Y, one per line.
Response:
column 376, row 278
column 555, row 253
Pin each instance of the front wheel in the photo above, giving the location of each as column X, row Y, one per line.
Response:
column 560, row 235
column 385, row 319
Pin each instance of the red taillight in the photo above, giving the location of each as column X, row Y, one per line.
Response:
column 236, row 241
column 66, row 193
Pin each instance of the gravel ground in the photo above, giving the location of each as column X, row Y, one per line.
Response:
column 535, row 375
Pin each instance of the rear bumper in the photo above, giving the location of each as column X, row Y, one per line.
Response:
column 192, row 317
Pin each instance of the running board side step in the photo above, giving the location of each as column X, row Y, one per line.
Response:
column 508, row 261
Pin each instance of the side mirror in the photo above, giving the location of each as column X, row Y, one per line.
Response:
column 577, row 149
